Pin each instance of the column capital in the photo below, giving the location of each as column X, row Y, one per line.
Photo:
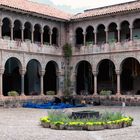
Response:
column 59, row 73
column 2, row 70
column 95, row 73
column 22, row 71
column 118, row 72
column 42, row 72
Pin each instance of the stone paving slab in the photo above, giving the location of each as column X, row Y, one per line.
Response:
column 23, row 124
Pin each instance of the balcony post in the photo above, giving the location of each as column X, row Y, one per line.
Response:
column 50, row 37
column 32, row 35
column 95, row 37
column 118, row 72
column 95, row 73
column 12, row 26
column 1, row 81
column 119, row 37
column 106, row 35
column 41, row 32
column 84, row 35
column 22, row 33
column 131, row 32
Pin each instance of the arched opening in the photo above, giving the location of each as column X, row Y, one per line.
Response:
column 17, row 30
column 101, row 34
column 55, row 36
column 90, row 35
column 130, row 76
column 84, row 79
column 125, row 31
column 27, row 30
column 107, row 76
column 37, row 33
column 50, row 77
column 79, row 36
column 32, row 78
column 12, row 77
column 46, row 35
column 6, row 27
column 112, row 33
column 136, row 29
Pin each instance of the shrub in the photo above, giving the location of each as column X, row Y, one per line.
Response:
column 106, row 92
column 50, row 93
column 13, row 93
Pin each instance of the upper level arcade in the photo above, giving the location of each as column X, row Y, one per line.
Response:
column 31, row 29
column 113, row 28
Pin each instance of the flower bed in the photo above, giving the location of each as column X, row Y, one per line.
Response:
column 83, row 124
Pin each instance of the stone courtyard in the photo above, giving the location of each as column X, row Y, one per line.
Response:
column 23, row 124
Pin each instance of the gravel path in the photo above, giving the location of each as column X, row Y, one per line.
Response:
column 23, row 124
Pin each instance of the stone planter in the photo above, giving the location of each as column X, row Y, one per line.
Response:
column 95, row 127
column 125, row 124
column 53, row 126
column 114, row 126
column 45, row 124
column 74, row 127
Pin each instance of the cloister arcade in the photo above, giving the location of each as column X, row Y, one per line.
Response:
column 112, row 32
column 26, row 31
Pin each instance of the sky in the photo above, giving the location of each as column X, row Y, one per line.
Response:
column 78, row 6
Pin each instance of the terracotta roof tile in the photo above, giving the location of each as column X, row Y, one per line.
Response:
column 129, row 6
column 34, row 7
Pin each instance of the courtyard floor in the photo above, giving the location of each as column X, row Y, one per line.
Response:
column 23, row 124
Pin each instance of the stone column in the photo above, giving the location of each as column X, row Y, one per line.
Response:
column 32, row 36
column 74, row 82
column 50, row 37
column 60, row 83
column 131, row 33
column 22, row 33
column 1, row 81
column 84, row 34
column 41, row 36
column 12, row 26
column 95, row 37
column 118, row 72
column 0, row 29
column 42, row 73
column 106, row 35
column 95, row 73
column 119, row 37
column 22, row 73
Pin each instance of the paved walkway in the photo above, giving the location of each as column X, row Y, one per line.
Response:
column 23, row 124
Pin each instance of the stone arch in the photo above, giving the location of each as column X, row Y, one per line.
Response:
column 46, row 34
column 130, row 76
column 50, row 77
column 136, row 28
column 6, row 26
column 37, row 33
column 79, row 36
column 125, row 30
column 101, row 34
column 90, row 35
column 17, row 29
column 55, row 34
column 107, row 78
column 84, row 78
column 32, row 77
column 11, row 76
column 27, row 30
column 112, row 32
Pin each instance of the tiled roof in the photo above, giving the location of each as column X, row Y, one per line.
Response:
column 34, row 7
column 113, row 9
